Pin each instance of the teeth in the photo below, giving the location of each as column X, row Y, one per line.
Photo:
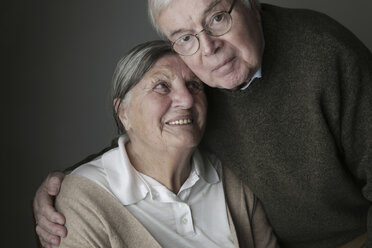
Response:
column 181, row 122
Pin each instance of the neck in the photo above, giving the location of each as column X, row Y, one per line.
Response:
column 171, row 167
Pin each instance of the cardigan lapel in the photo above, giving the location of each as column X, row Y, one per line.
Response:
column 237, row 210
column 232, row 228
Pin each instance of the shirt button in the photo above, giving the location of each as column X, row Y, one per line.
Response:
column 184, row 221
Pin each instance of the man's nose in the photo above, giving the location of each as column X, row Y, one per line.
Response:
column 208, row 44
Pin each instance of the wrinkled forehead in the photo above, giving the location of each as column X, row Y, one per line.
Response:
column 185, row 15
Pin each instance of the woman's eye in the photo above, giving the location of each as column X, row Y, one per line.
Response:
column 161, row 85
column 195, row 86
column 161, row 88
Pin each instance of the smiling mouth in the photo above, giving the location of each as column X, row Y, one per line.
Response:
column 181, row 122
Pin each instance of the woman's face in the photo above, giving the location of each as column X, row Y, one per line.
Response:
column 167, row 108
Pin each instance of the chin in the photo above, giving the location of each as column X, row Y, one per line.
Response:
column 229, row 84
column 232, row 86
column 193, row 142
column 185, row 147
column 232, row 81
column 187, row 142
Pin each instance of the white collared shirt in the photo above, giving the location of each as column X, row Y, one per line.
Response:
column 195, row 217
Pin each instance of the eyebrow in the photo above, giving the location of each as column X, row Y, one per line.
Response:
column 162, row 72
column 205, row 12
column 181, row 30
column 210, row 7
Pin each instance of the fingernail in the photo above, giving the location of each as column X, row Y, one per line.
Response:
column 55, row 241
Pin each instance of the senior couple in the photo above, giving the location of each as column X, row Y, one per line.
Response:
column 289, row 113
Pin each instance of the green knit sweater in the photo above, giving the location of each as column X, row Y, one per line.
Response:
column 301, row 136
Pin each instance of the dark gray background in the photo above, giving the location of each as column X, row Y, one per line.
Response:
column 57, row 61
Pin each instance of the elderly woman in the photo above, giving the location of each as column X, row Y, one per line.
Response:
column 157, row 189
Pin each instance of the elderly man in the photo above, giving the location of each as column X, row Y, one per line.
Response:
column 291, row 114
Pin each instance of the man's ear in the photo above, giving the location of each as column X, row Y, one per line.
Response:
column 256, row 10
column 121, row 111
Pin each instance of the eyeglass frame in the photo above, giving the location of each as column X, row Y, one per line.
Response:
column 208, row 32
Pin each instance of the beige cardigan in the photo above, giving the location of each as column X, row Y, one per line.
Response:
column 94, row 218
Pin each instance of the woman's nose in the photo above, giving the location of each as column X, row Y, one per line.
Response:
column 182, row 98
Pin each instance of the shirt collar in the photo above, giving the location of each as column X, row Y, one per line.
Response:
column 121, row 175
column 258, row 74
column 204, row 168
column 128, row 185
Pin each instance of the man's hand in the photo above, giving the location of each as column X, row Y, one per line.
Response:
column 49, row 223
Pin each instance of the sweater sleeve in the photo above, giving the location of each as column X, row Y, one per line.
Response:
column 356, row 120
column 83, row 222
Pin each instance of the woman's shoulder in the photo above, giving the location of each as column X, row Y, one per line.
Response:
column 88, row 208
column 82, row 195
column 96, row 170
column 79, row 188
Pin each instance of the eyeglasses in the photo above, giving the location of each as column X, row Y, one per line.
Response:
column 217, row 25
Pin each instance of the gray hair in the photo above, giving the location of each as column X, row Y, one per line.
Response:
column 154, row 7
column 130, row 70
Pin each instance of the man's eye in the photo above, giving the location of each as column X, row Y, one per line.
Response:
column 218, row 18
column 161, row 88
column 185, row 38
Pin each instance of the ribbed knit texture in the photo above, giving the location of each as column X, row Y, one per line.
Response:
column 301, row 136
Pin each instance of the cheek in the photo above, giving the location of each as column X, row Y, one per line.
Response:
column 151, row 113
column 137, row 116
column 250, row 49
column 246, row 38
column 204, row 104
column 195, row 63
column 202, row 107
column 251, row 54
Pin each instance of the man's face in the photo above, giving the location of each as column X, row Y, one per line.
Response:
column 225, row 61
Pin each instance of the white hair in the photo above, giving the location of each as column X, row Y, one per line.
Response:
column 154, row 7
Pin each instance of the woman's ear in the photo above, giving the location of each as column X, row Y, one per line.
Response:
column 121, row 110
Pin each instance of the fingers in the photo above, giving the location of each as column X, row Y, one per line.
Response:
column 46, row 239
column 43, row 201
column 53, row 182
column 49, row 222
column 51, row 228
column 44, row 244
